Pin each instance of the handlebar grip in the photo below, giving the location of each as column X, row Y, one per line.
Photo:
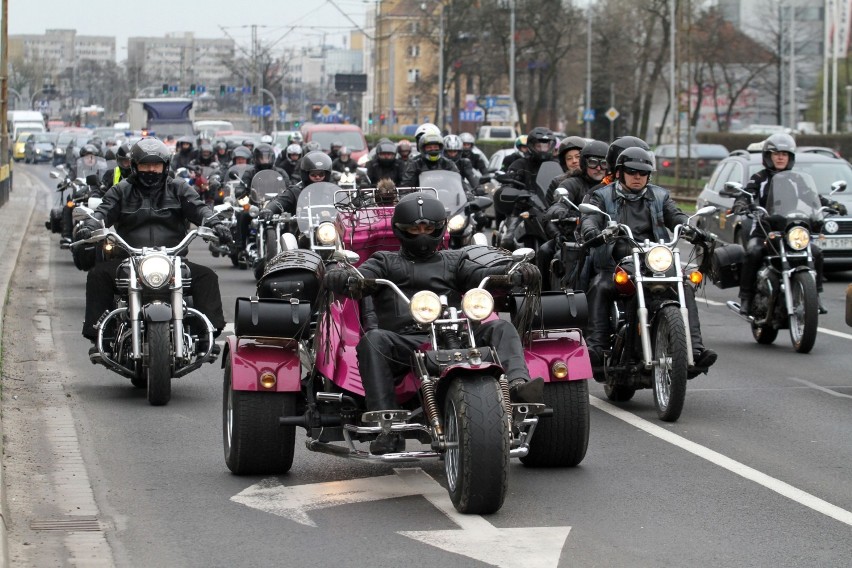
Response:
column 500, row 280
column 594, row 242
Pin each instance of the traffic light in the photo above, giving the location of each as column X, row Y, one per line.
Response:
column 370, row 118
column 222, row 90
column 297, row 124
column 192, row 89
column 165, row 88
column 382, row 118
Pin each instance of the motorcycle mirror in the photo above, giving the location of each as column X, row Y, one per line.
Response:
column 561, row 192
column 55, row 175
column 233, row 175
column 731, row 189
column 590, row 209
column 80, row 181
column 92, row 179
column 346, row 256
column 707, row 210
column 838, row 186
column 523, row 254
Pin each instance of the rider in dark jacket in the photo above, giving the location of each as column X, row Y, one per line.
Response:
column 151, row 209
column 183, row 155
column 430, row 158
column 315, row 167
column 121, row 170
column 419, row 221
column 385, row 165
column 650, row 212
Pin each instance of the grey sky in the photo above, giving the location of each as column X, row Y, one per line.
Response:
column 310, row 19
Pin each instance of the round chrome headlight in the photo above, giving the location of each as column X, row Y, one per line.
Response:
column 831, row 227
column 659, row 259
column 798, row 238
column 326, row 234
column 155, row 270
column 425, row 306
column 456, row 223
column 477, row 304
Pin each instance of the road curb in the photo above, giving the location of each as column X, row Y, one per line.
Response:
column 15, row 217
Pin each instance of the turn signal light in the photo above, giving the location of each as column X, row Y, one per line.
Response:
column 559, row 369
column 696, row 277
column 267, row 380
column 623, row 284
column 70, row 204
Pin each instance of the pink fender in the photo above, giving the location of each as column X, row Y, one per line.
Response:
column 250, row 358
column 568, row 346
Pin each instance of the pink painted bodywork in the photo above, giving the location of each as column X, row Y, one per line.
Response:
column 568, row 346
column 249, row 358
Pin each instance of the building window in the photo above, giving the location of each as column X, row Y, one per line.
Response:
column 414, row 27
column 414, row 50
column 413, row 75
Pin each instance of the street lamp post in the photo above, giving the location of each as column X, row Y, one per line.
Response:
column 441, row 71
column 274, row 108
column 848, row 108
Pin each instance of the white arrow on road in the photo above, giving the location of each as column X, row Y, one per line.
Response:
column 532, row 547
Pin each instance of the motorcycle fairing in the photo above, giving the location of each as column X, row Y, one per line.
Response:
column 249, row 358
column 569, row 346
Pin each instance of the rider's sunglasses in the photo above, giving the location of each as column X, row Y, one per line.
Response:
column 420, row 228
column 596, row 163
column 632, row 172
column 316, row 174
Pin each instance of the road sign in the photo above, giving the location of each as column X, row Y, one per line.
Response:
column 589, row 115
column 471, row 116
column 490, row 102
column 612, row 114
column 325, row 110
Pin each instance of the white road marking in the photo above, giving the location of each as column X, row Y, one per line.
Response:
column 776, row 485
column 820, row 388
column 535, row 547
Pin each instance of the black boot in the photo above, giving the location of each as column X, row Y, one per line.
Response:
column 530, row 391
column 822, row 309
column 745, row 305
column 387, row 443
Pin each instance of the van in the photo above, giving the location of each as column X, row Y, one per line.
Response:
column 18, row 121
column 497, row 133
column 349, row 135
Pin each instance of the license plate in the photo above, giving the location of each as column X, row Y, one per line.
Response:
column 833, row 244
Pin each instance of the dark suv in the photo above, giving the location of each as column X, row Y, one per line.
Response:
column 740, row 165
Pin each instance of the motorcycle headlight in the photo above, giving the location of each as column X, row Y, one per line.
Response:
column 659, row 259
column 456, row 223
column 326, row 234
column 155, row 270
column 798, row 238
column 477, row 304
column 425, row 306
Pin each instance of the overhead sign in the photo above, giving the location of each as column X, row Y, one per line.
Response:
column 350, row 83
column 534, row 547
column 612, row 114
column 471, row 116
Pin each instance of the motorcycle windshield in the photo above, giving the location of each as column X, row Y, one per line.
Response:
column 237, row 188
column 266, row 184
column 791, row 193
column 316, row 205
column 89, row 165
column 546, row 173
column 449, row 187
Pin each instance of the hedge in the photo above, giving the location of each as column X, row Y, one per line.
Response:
column 732, row 141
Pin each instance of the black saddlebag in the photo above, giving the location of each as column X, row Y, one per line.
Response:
column 559, row 310
column 259, row 317
column 725, row 265
column 292, row 274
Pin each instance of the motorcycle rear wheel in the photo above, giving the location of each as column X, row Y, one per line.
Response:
column 254, row 442
column 764, row 334
column 619, row 393
column 562, row 439
column 159, row 370
column 670, row 372
column 477, row 433
column 805, row 317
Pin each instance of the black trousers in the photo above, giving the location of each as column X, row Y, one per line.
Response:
column 600, row 296
column 755, row 251
column 384, row 355
column 100, row 289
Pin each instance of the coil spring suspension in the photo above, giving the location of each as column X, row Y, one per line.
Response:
column 430, row 405
column 504, row 387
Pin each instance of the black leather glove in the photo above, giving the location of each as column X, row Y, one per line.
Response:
column 525, row 275
column 223, row 232
column 265, row 214
column 82, row 233
column 341, row 282
column 839, row 207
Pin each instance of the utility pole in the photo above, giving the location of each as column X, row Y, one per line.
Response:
column 512, row 58
column 588, row 104
column 5, row 173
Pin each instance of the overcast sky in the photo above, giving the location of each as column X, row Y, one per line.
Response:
column 294, row 22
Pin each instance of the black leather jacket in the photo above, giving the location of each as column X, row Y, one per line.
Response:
column 160, row 218
column 411, row 177
column 394, row 172
column 447, row 272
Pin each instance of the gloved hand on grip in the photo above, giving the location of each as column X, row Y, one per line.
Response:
column 342, row 282
column 525, row 275
column 82, row 233
column 265, row 214
column 223, row 232
column 839, row 207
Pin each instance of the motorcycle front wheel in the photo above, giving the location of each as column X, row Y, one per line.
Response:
column 255, row 443
column 159, row 363
column 805, row 317
column 670, row 364
column 476, row 429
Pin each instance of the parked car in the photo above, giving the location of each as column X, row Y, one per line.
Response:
column 496, row 133
column 836, row 240
column 65, row 137
column 495, row 162
column 349, row 135
column 696, row 160
column 39, row 147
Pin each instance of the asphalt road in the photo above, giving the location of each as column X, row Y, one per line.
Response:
column 755, row 473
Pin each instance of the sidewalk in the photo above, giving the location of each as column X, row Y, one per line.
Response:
column 15, row 217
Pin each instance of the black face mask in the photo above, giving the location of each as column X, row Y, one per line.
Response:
column 420, row 246
column 150, row 180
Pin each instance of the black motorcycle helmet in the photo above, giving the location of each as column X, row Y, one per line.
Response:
column 242, row 152
column 541, row 136
column 313, row 161
column 98, row 143
column 109, row 154
column 635, row 159
column 593, row 149
column 313, row 146
column 248, row 143
column 264, row 157
column 388, row 150
column 122, row 159
column 150, row 151
column 779, row 143
column 220, row 148
column 184, row 144
column 89, row 150
column 619, row 145
column 412, row 211
column 566, row 145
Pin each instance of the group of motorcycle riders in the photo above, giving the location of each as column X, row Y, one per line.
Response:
column 149, row 203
